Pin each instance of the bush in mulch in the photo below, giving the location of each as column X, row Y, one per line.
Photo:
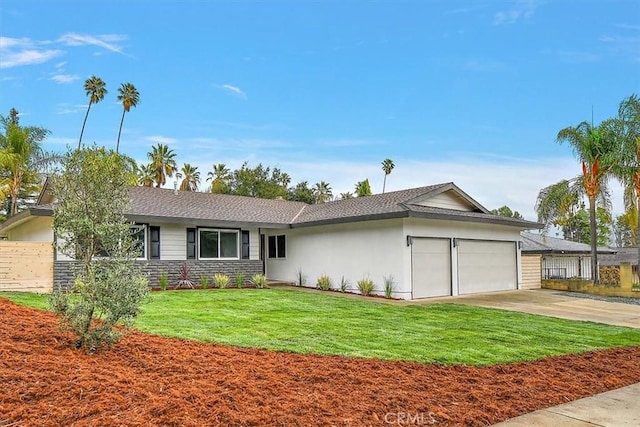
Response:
column 152, row 380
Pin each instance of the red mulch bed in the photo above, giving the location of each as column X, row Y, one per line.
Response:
column 151, row 380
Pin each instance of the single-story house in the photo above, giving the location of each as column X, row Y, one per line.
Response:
column 434, row 240
column 629, row 255
column 560, row 259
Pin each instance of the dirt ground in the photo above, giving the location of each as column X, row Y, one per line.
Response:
column 150, row 380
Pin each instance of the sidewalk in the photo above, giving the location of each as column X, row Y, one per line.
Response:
column 615, row 408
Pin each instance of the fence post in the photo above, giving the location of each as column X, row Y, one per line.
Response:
column 626, row 276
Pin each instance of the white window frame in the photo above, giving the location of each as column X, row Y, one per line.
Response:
column 218, row 230
column 275, row 236
column 145, row 239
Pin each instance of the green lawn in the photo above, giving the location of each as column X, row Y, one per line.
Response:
column 290, row 320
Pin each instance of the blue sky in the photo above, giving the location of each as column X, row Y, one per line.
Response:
column 467, row 91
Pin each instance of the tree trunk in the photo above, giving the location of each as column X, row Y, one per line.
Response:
column 594, row 239
column 120, row 130
column 384, row 183
column 84, row 123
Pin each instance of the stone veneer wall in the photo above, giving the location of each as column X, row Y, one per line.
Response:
column 63, row 274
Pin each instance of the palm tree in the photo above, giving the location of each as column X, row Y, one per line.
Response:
column 219, row 178
column 387, row 167
column 21, row 159
column 322, row 191
column 129, row 96
column 363, row 188
column 558, row 204
column 163, row 163
column 595, row 149
column 191, row 178
column 347, row 195
column 146, row 175
column 627, row 170
column 95, row 89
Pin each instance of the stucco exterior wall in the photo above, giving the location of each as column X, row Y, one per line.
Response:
column 372, row 249
column 36, row 229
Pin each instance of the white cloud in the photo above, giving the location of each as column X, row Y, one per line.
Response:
column 234, row 90
column 64, row 78
column 105, row 41
column 522, row 9
column 10, row 58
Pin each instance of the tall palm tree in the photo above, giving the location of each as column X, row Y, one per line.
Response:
column 627, row 170
column 363, row 188
column 129, row 96
column 322, row 191
column 95, row 89
column 146, row 175
column 219, row 178
column 387, row 167
column 595, row 149
column 163, row 163
column 191, row 178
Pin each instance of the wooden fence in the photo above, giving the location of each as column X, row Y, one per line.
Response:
column 26, row 266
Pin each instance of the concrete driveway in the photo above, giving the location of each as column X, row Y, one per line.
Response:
column 552, row 303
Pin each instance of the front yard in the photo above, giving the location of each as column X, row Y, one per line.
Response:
column 158, row 380
column 301, row 322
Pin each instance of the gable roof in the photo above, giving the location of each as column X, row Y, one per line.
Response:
column 538, row 244
column 150, row 204
column 402, row 204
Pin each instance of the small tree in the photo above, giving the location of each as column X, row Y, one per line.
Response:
column 90, row 226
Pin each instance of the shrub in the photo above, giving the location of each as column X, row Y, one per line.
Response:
column 344, row 284
column 183, row 277
column 259, row 281
column 163, row 279
column 220, row 280
column 301, row 279
column 365, row 286
column 324, row 282
column 239, row 280
column 389, row 285
column 204, row 281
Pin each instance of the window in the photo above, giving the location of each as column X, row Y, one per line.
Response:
column 277, row 246
column 218, row 244
column 139, row 234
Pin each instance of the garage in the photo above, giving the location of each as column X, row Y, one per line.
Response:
column 486, row 266
column 431, row 267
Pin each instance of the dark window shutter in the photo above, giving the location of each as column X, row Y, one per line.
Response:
column 245, row 244
column 191, row 243
column 154, row 240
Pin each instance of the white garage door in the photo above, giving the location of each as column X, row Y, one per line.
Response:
column 486, row 266
column 431, row 267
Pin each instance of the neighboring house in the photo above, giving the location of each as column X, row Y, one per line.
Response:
column 433, row 241
column 560, row 259
column 629, row 255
